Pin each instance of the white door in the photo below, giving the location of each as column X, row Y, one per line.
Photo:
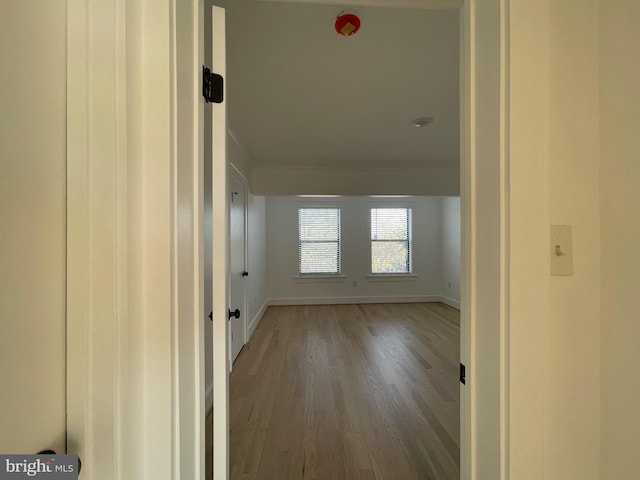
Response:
column 208, row 253
column 220, row 254
column 237, row 263
column 32, row 225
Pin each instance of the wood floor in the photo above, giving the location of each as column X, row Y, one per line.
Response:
column 348, row 392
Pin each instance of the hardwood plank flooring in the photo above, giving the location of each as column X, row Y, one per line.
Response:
column 350, row 392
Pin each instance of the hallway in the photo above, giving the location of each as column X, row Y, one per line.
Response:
column 348, row 392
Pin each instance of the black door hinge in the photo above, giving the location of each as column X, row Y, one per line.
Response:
column 212, row 86
column 463, row 374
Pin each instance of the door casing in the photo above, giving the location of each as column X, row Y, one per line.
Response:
column 468, row 125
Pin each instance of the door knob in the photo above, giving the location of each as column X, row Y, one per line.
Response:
column 235, row 313
column 53, row 452
column 245, row 274
column 210, row 315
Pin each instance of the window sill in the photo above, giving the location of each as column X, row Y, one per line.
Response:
column 392, row 277
column 320, row 278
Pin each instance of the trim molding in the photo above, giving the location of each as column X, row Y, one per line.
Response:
column 98, row 344
column 367, row 180
column 450, row 301
column 417, row 4
column 355, row 300
column 256, row 319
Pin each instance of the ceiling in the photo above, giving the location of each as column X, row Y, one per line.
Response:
column 301, row 95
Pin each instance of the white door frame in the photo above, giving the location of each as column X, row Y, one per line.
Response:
column 127, row 414
column 96, row 236
column 473, row 295
column 220, row 187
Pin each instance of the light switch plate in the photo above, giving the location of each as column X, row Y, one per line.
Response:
column 561, row 250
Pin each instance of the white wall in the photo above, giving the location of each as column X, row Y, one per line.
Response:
column 553, row 332
column 282, row 252
column 450, row 249
column 572, row 380
column 620, row 237
column 33, row 188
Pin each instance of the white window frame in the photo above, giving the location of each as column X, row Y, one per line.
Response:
column 319, row 276
column 383, row 276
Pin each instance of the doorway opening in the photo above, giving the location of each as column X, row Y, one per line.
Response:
column 267, row 179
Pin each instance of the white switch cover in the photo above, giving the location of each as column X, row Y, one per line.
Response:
column 561, row 250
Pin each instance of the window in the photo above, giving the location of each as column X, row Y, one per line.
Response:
column 319, row 241
column 390, row 240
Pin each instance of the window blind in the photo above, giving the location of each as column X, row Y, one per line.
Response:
column 390, row 240
column 319, row 241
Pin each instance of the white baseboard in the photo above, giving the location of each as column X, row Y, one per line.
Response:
column 451, row 302
column 256, row 319
column 354, row 300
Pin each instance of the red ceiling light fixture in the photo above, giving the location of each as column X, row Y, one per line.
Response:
column 347, row 24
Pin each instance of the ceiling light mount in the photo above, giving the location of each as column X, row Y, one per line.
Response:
column 422, row 122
